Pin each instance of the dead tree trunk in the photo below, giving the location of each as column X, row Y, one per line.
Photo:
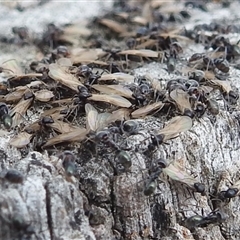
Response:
column 100, row 205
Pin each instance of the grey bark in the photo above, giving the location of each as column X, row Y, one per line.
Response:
column 48, row 205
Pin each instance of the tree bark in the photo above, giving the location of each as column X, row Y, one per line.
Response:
column 99, row 205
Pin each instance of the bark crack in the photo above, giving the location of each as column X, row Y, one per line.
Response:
column 49, row 213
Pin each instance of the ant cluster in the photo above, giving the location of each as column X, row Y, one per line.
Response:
column 90, row 101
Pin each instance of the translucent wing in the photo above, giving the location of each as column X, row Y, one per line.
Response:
column 175, row 126
column 44, row 95
column 21, row 140
column 112, row 99
column 64, row 62
column 120, row 114
column 58, row 112
column 96, row 121
column 92, row 116
column 181, row 98
column 140, row 52
column 121, row 77
column 83, row 55
column 77, row 135
column 225, row 85
column 113, row 25
column 102, row 120
column 16, row 95
column 12, row 67
column 59, row 73
column 177, row 174
column 20, row 109
column 156, row 84
column 144, row 111
column 114, row 89
column 62, row 127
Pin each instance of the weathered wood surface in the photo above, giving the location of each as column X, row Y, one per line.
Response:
column 50, row 206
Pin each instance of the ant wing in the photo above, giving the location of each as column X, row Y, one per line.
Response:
column 12, row 67
column 209, row 75
column 113, row 25
column 20, row 109
column 60, row 74
column 92, row 116
column 119, row 76
column 175, row 126
column 21, row 140
column 181, row 98
column 120, row 114
column 112, row 99
column 95, row 121
column 176, row 173
column 224, row 85
column 62, row 127
column 86, row 56
column 102, row 120
column 148, row 43
column 44, row 95
column 143, row 111
column 57, row 112
column 77, row 135
column 32, row 128
column 15, row 96
column 206, row 89
column 73, row 32
column 156, row 84
column 64, row 62
column 114, row 89
column 15, row 71
column 36, row 84
column 140, row 53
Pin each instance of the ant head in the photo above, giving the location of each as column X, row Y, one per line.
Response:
column 157, row 139
column 231, row 192
column 162, row 163
column 200, row 188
